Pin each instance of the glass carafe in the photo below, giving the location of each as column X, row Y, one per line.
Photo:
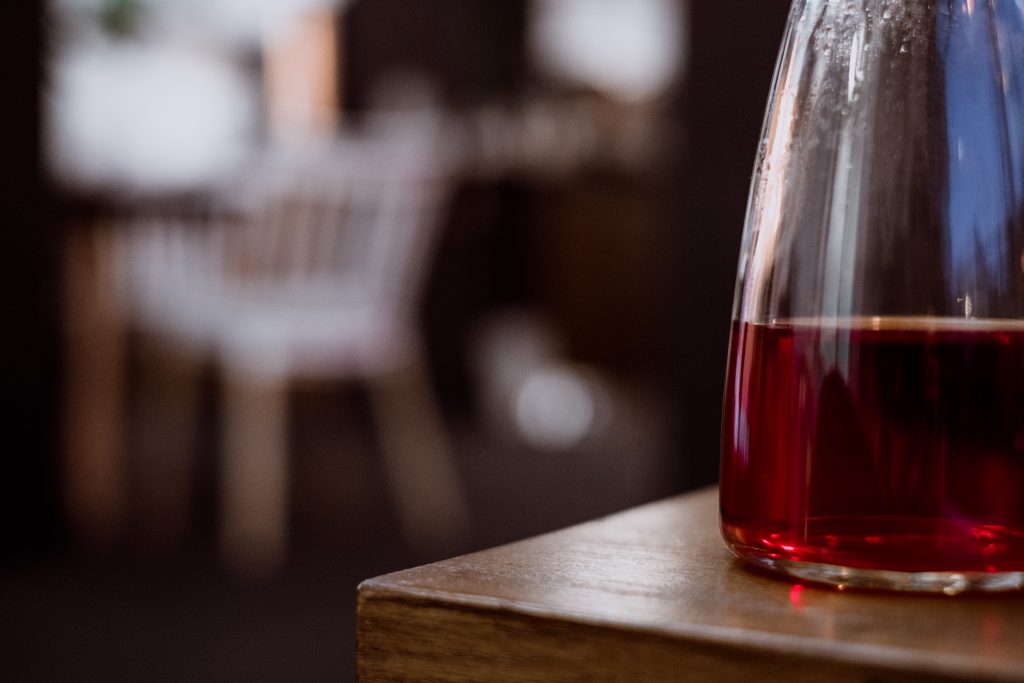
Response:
column 874, row 409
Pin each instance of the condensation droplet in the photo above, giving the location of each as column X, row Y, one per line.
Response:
column 904, row 49
column 887, row 14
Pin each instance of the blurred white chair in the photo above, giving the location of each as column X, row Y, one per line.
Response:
column 314, row 271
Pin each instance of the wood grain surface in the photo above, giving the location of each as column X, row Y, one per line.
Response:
column 654, row 594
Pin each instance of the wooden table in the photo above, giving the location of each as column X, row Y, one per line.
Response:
column 654, row 594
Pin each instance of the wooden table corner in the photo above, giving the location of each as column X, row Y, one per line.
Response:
column 653, row 594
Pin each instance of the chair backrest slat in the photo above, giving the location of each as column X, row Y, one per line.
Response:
column 359, row 211
column 350, row 223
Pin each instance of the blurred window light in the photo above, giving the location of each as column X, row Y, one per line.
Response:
column 245, row 20
column 156, row 95
column 629, row 49
column 136, row 116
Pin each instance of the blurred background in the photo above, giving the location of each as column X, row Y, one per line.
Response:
column 300, row 292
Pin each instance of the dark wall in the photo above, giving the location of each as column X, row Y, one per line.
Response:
column 733, row 50
column 473, row 48
column 476, row 50
column 473, row 52
column 29, row 352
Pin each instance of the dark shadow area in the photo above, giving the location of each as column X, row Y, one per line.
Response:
column 574, row 316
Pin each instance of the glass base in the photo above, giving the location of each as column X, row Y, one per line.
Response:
column 842, row 578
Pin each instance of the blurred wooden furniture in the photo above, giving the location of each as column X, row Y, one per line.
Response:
column 653, row 594
column 93, row 469
column 311, row 271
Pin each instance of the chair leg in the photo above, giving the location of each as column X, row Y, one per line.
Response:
column 166, row 414
column 254, row 500
column 420, row 462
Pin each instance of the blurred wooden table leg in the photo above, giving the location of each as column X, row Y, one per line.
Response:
column 94, row 473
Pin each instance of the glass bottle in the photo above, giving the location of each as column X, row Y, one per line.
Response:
column 874, row 409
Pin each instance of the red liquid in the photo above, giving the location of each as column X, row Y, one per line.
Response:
column 892, row 443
